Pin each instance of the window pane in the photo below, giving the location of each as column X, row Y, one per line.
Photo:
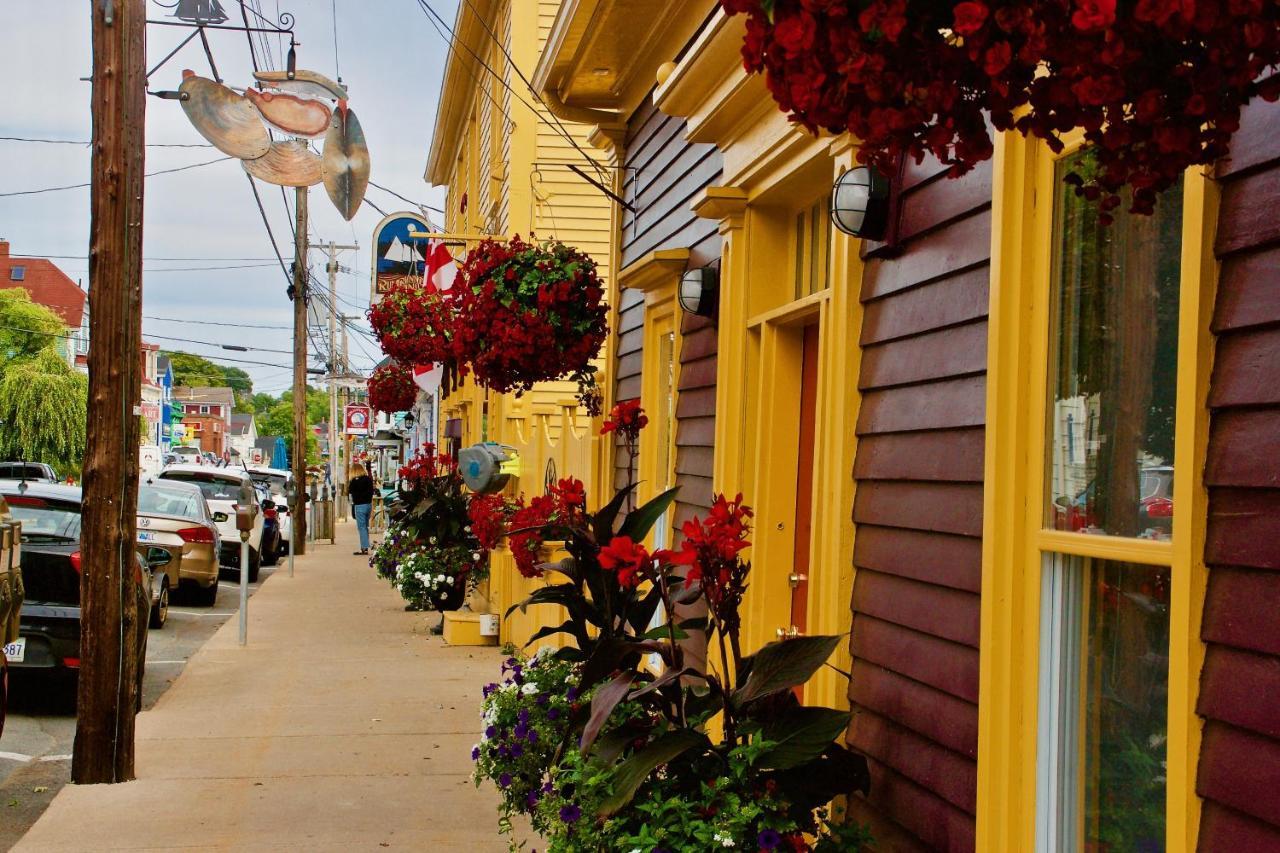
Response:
column 1113, row 374
column 1104, row 685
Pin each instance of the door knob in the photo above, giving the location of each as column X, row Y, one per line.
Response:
column 795, row 579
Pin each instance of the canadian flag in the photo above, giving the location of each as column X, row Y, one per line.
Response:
column 440, row 268
column 428, row 377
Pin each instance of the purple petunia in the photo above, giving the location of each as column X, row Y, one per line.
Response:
column 532, row 798
column 570, row 813
column 553, row 714
column 475, row 754
column 504, row 780
column 768, row 839
column 490, row 732
column 571, row 694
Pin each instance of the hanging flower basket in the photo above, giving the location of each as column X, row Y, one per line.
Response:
column 414, row 324
column 529, row 313
column 392, row 389
column 1157, row 85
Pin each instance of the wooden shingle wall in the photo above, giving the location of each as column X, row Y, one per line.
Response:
column 1239, row 772
column 663, row 174
column 918, row 510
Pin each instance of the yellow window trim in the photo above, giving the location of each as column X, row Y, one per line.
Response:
column 661, row 316
column 657, row 271
column 1013, row 538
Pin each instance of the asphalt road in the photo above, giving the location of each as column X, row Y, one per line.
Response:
column 35, row 750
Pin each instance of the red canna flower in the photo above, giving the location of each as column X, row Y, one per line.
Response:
column 629, row 559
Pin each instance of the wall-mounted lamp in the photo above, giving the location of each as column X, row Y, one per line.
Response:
column 860, row 203
column 700, row 291
column 409, row 420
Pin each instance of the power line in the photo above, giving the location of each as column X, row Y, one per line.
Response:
column 38, row 255
column 87, row 142
column 235, row 347
column 409, row 200
column 212, row 323
column 209, row 357
column 147, row 175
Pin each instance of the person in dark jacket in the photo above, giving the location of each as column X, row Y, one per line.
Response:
column 360, row 490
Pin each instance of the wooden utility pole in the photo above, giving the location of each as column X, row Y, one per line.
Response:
column 298, row 509
column 109, row 623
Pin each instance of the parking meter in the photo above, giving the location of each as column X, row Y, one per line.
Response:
column 246, row 513
column 291, row 495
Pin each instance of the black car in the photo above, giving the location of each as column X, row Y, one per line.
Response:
column 49, row 629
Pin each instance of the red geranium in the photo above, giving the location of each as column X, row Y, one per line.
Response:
column 1156, row 85
column 392, row 389
column 528, row 523
column 427, row 465
column 489, row 515
column 415, row 325
column 529, row 313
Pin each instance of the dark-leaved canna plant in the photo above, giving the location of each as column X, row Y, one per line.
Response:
column 613, row 590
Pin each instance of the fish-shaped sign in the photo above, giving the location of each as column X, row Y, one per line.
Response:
column 287, row 164
column 226, row 119
column 291, row 114
column 345, row 161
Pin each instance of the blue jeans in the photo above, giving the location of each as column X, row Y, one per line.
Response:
column 361, row 513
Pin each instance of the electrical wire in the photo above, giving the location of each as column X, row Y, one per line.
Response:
column 235, row 347
column 533, row 91
column 38, row 255
column 209, row 357
column 212, row 323
column 87, row 143
column 147, row 175
column 409, row 200
column 555, row 125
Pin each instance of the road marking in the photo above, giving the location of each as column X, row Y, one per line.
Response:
column 203, row 612
column 151, row 662
column 16, row 756
column 55, row 758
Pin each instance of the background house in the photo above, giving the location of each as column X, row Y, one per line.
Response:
column 206, row 414
column 242, row 437
column 51, row 287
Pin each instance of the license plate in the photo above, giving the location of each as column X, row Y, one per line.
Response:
column 16, row 651
column 144, row 536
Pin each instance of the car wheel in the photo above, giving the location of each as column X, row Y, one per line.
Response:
column 271, row 556
column 255, row 562
column 206, row 596
column 160, row 612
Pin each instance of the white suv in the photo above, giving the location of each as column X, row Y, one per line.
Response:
column 222, row 489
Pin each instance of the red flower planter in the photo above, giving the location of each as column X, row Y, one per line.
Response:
column 392, row 389
column 1157, row 85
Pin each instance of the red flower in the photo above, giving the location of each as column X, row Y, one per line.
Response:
column 997, row 58
column 392, row 389
column 970, row 17
column 489, row 515
column 570, row 496
column 627, row 558
column 627, row 419
column 1093, row 14
column 795, row 33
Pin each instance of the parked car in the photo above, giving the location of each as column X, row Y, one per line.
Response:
column 186, row 453
column 173, row 515
column 30, row 471
column 223, row 489
column 277, row 481
column 49, row 629
column 1155, row 504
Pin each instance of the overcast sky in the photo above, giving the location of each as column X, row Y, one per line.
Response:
column 391, row 60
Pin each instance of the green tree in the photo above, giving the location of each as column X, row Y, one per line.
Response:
column 43, row 407
column 278, row 420
column 26, row 328
column 194, row 370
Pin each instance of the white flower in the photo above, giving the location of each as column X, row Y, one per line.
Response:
column 475, row 555
column 529, row 689
column 448, row 580
column 433, row 540
column 724, row 840
column 544, row 653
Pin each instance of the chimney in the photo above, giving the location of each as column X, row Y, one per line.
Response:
column 4, row 248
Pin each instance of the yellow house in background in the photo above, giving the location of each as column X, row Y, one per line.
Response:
column 512, row 168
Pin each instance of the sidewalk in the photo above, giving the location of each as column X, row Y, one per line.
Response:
column 342, row 725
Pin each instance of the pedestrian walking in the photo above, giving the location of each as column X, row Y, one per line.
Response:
column 360, row 490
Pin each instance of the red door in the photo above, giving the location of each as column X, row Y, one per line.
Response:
column 804, row 479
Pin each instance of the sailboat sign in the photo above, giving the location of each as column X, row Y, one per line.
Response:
column 398, row 258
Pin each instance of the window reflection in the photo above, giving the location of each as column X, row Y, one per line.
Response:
column 1103, row 712
column 1113, row 376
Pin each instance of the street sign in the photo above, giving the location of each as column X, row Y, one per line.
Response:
column 357, row 419
column 398, row 258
